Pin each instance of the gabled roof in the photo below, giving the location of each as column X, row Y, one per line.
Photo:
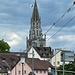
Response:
column 39, row 64
column 9, row 60
column 31, row 73
column 44, row 52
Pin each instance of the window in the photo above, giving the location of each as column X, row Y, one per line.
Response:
column 19, row 72
column 41, row 45
column 37, row 71
column 37, row 32
column 44, row 71
column 24, row 71
column 54, row 63
column 58, row 62
column 40, row 71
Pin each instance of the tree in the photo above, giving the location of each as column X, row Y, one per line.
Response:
column 4, row 47
column 68, row 67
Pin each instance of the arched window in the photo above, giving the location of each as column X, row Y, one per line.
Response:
column 37, row 32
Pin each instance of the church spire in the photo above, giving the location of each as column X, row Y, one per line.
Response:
column 36, row 38
column 35, row 14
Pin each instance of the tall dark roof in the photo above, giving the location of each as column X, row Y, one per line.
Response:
column 44, row 52
column 35, row 14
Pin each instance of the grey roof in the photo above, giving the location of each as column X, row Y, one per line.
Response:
column 9, row 60
column 44, row 52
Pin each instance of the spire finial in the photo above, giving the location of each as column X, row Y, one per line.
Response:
column 35, row 0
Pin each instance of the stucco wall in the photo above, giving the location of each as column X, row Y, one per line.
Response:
column 27, row 68
column 18, row 68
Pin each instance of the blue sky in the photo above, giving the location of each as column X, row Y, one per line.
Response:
column 15, row 22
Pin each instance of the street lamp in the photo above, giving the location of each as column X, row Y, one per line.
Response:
column 55, row 60
column 49, row 70
column 63, row 58
column 8, row 70
column 22, row 61
column 55, row 63
column 0, row 68
column 32, row 61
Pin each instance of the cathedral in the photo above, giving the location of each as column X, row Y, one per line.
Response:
column 36, row 37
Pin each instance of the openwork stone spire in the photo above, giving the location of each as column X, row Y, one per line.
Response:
column 35, row 14
column 36, row 38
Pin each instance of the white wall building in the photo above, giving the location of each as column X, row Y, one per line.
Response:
column 43, row 53
column 58, row 58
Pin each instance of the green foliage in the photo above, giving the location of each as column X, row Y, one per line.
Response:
column 67, row 67
column 4, row 47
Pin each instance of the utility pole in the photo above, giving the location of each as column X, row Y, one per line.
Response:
column 55, row 63
column 32, row 62
column 63, row 62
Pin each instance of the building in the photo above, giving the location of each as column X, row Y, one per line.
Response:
column 36, row 37
column 69, row 56
column 10, row 63
column 7, row 62
column 43, row 53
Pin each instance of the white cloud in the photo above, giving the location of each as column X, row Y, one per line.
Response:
column 14, row 39
column 64, row 39
column 15, row 13
column 69, row 38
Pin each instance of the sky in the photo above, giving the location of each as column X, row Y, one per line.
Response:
column 15, row 18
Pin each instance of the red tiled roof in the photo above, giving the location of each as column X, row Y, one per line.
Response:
column 39, row 64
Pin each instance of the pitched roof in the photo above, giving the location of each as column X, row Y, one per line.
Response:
column 31, row 73
column 44, row 52
column 39, row 64
column 9, row 60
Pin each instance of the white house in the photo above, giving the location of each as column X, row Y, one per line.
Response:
column 58, row 57
column 43, row 53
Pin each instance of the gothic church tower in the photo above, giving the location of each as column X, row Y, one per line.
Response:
column 36, row 38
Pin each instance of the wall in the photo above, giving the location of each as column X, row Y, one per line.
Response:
column 58, row 59
column 17, row 70
column 36, row 55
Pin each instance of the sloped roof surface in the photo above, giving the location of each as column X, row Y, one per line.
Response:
column 44, row 52
column 39, row 64
column 9, row 60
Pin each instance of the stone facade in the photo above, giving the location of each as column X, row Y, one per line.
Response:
column 36, row 38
